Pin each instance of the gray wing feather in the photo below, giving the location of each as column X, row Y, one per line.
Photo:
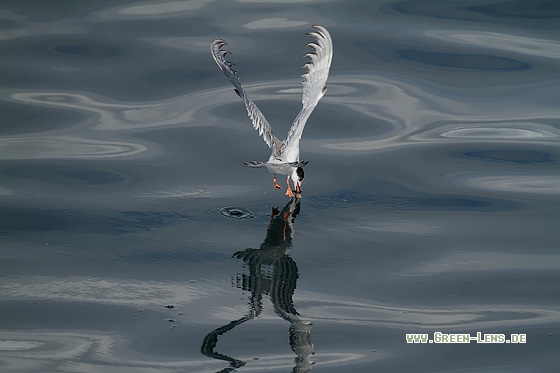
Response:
column 314, row 81
column 254, row 164
column 257, row 118
column 298, row 163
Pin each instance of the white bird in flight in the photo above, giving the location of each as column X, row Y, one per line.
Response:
column 284, row 159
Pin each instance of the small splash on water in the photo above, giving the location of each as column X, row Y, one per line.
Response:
column 236, row 212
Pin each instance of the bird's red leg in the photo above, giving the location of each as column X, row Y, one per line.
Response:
column 289, row 192
column 298, row 190
column 276, row 186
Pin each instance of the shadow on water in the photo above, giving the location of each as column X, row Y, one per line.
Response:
column 270, row 271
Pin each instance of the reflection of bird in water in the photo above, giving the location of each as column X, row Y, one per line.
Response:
column 272, row 272
column 284, row 159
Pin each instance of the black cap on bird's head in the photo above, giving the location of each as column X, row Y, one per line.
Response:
column 300, row 173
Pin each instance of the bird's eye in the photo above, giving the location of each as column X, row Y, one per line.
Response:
column 299, row 172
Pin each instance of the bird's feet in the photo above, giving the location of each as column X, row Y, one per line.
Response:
column 276, row 185
column 297, row 192
column 289, row 192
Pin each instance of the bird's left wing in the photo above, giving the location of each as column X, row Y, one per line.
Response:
column 257, row 118
column 314, row 81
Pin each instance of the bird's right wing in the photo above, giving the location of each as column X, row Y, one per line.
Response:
column 259, row 121
column 314, row 81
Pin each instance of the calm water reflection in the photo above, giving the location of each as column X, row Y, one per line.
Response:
column 274, row 273
column 430, row 200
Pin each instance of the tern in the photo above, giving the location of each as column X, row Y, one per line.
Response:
column 284, row 159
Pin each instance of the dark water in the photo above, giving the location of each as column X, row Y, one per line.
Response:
column 131, row 240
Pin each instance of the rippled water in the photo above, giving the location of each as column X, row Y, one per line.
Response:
column 132, row 240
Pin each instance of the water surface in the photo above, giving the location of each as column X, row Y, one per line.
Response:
column 131, row 239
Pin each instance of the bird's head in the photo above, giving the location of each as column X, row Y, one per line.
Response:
column 297, row 177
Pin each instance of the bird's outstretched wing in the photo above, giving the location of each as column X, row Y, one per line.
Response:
column 259, row 121
column 313, row 81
